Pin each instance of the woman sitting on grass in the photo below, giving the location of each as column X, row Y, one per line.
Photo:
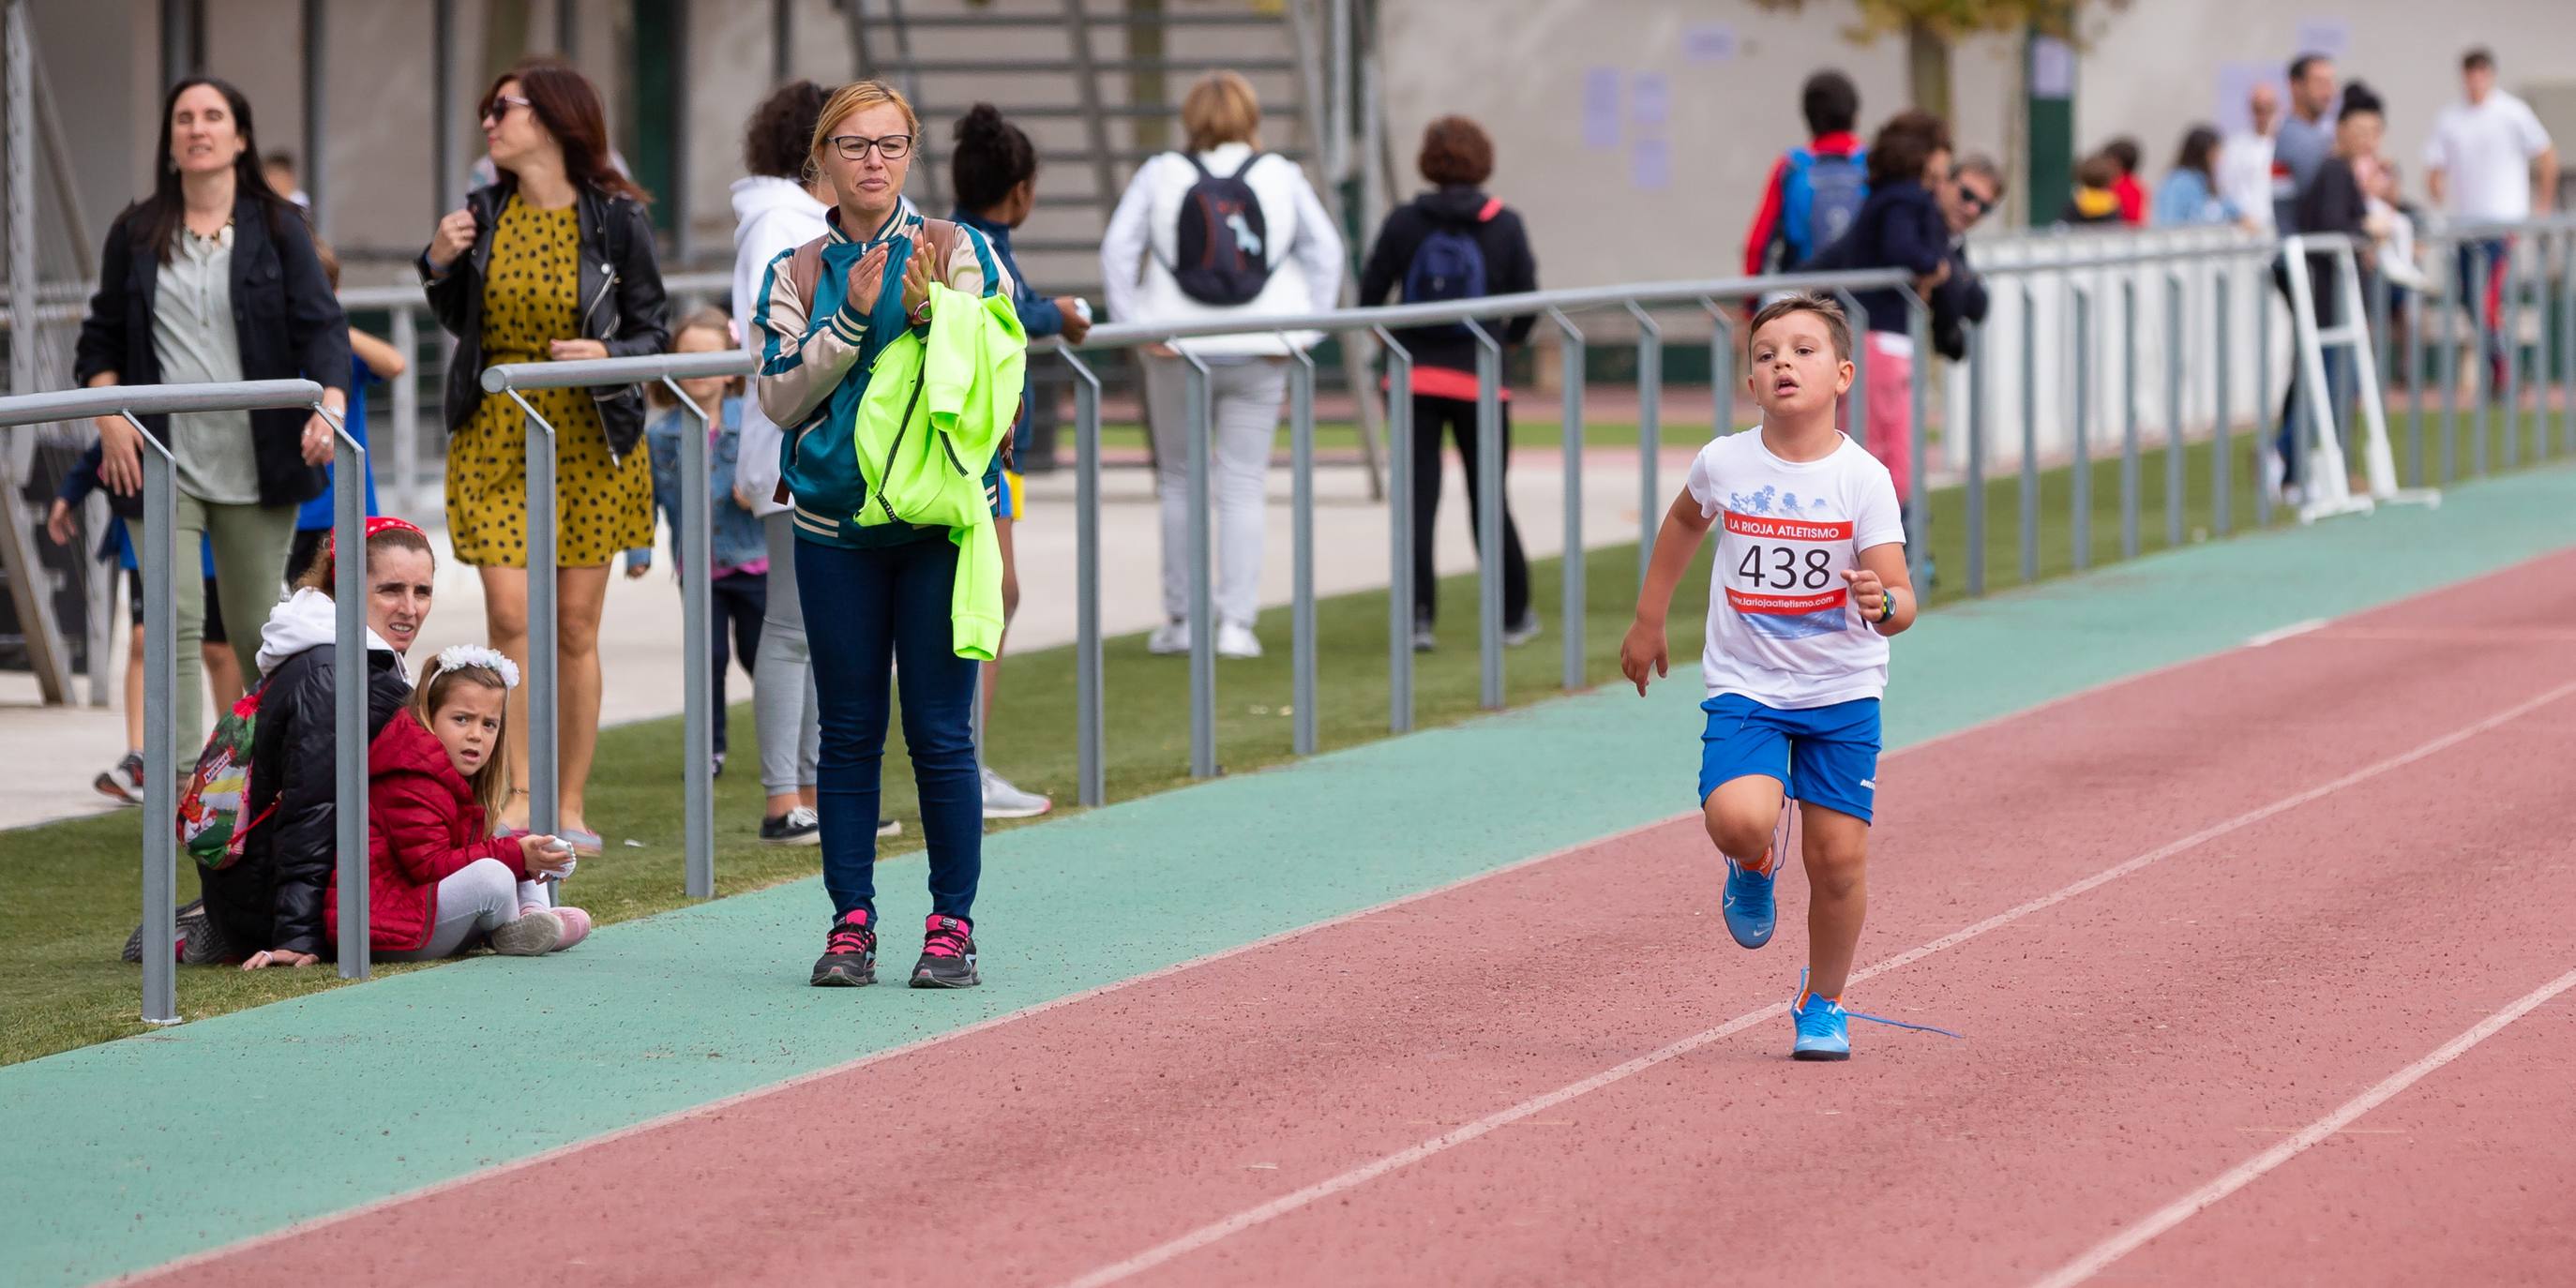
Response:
column 438, row 880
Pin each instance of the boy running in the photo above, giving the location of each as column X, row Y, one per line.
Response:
column 1809, row 582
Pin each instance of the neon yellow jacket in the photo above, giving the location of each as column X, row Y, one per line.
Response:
column 935, row 412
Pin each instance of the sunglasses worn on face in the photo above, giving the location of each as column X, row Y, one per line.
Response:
column 500, row 106
column 892, row 147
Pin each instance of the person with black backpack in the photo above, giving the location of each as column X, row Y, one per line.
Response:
column 1219, row 230
column 1816, row 191
column 1455, row 243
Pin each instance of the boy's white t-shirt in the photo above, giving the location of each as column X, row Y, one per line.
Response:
column 1782, row 628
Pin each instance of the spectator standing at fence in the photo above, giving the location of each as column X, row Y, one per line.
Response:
column 2306, row 139
column 2489, row 161
column 269, row 903
column 1451, row 243
column 553, row 261
column 2095, row 200
column 213, row 278
column 2336, row 201
column 994, row 172
column 1814, row 191
column 738, row 556
column 2245, row 159
column 1900, row 226
column 778, row 206
column 1219, row 230
column 371, row 362
column 883, row 593
column 2126, row 154
column 2190, row 194
column 1974, row 189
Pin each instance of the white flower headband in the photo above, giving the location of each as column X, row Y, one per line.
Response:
column 456, row 655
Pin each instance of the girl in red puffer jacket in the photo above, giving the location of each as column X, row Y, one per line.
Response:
column 438, row 880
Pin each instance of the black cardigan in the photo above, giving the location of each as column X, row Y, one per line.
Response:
column 272, row 896
column 285, row 318
column 621, row 303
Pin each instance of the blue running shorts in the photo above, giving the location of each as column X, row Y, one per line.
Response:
column 1821, row 755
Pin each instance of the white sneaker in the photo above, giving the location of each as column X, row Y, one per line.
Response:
column 1234, row 639
column 1168, row 639
column 1522, row 631
column 1002, row 800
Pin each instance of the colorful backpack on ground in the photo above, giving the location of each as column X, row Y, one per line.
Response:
column 211, row 827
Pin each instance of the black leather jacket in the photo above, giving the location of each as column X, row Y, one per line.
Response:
column 621, row 304
column 272, row 896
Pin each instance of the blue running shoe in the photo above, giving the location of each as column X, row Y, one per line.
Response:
column 1750, row 911
column 1823, row 1032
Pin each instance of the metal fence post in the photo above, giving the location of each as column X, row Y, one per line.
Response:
column 2509, row 336
column 2264, row 427
column 1976, row 336
column 2079, row 536
column 2482, row 371
column 2415, row 386
column 2222, row 443
column 1488, row 483
column 1301, row 457
column 1721, row 368
column 2177, row 480
column 1576, row 609
column 1650, row 411
column 1856, row 403
column 1399, row 514
column 155, row 544
column 545, row 802
column 2128, row 416
column 697, row 614
column 2029, row 432
column 1918, row 390
column 349, row 691
column 2567, row 341
column 406, row 397
column 2447, row 363
column 1091, row 779
column 1202, row 594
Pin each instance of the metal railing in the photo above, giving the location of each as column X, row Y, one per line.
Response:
column 155, row 548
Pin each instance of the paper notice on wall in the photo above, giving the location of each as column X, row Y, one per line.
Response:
column 2236, row 82
column 1650, row 103
column 2331, row 37
column 1650, row 165
column 1708, row 42
column 1601, row 109
column 2052, row 68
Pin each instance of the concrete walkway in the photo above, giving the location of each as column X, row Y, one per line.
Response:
column 62, row 748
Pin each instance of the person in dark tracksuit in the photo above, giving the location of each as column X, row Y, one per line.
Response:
column 1455, row 242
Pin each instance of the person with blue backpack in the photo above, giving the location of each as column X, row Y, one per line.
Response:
column 1815, row 191
column 1455, row 243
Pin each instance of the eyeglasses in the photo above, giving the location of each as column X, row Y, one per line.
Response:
column 1975, row 202
column 893, row 147
column 500, row 106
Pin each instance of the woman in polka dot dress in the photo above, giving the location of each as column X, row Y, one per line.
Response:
column 552, row 262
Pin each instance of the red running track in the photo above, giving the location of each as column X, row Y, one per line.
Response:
column 2178, row 919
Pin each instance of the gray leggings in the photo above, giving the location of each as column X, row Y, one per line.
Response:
column 783, row 707
column 1245, row 398
column 473, row 901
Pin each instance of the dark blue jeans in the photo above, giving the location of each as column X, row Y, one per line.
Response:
column 2486, row 311
column 739, row 601
column 865, row 610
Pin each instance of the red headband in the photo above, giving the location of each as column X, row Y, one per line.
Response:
column 381, row 523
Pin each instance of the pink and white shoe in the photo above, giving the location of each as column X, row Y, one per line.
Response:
column 576, row 926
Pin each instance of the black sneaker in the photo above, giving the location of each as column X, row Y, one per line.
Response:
column 849, row 953
column 200, row 943
column 123, row 784
column 947, row 955
column 798, row 826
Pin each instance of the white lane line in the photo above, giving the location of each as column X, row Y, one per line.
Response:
column 2244, row 1174
column 2278, row 634
column 1246, row 1219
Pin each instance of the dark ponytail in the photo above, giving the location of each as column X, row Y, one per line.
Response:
column 992, row 157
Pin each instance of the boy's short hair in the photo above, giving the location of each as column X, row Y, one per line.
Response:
column 1830, row 102
column 2477, row 60
column 2097, row 171
column 1837, row 323
column 1905, row 145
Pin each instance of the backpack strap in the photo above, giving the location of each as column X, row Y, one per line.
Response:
column 1493, row 206
column 805, row 268
column 1246, row 167
column 1195, row 164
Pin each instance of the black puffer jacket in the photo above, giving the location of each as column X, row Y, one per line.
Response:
column 622, row 305
column 272, row 896
column 1510, row 268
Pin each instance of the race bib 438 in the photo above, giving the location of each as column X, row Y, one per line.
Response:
column 1782, row 581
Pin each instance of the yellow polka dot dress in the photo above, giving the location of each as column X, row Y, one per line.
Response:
column 531, row 295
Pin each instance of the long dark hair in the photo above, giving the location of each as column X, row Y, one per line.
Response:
column 567, row 104
column 158, row 218
column 992, row 157
column 2197, row 147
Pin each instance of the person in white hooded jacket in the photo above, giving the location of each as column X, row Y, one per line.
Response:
column 1248, row 378
column 777, row 208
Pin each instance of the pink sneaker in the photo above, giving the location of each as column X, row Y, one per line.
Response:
column 576, row 926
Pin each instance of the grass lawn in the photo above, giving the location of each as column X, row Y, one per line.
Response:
column 76, row 890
